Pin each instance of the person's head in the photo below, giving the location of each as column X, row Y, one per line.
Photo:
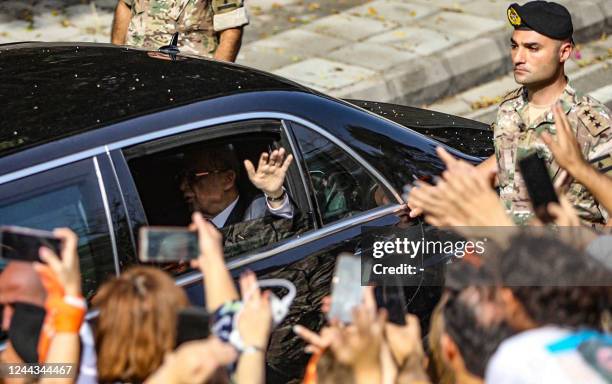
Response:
column 209, row 181
column 22, row 297
column 541, row 42
column 438, row 369
column 472, row 326
column 549, row 282
column 137, row 323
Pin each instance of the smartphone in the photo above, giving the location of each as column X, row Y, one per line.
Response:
column 393, row 299
column 18, row 243
column 539, row 185
column 167, row 244
column 193, row 323
column 347, row 291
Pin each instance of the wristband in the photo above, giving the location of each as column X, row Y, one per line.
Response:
column 252, row 349
column 276, row 199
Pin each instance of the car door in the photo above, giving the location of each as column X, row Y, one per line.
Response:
column 334, row 188
column 82, row 196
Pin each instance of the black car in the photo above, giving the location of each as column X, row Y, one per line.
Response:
column 91, row 138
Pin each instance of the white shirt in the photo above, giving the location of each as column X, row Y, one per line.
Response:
column 526, row 358
column 256, row 209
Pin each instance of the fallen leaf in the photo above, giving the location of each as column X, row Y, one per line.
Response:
column 65, row 23
column 372, row 11
column 313, row 6
column 54, row 12
column 412, row 13
column 293, row 19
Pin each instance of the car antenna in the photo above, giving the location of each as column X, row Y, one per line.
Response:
column 172, row 48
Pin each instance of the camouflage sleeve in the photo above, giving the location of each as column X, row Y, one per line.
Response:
column 129, row 3
column 229, row 14
column 598, row 121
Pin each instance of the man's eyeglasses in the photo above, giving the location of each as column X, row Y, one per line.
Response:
column 193, row 176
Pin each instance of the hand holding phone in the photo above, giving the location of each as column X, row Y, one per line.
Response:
column 23, row 244
column 167, row 244
column 539, row 185
column 347, row 291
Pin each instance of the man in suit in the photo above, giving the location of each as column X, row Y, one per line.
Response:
column 209, row 185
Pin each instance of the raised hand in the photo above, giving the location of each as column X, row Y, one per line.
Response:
column 65, row 268
column 255, row 318
column 565, row 148
column 270, row 173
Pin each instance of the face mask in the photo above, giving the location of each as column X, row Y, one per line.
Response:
column 24, row 331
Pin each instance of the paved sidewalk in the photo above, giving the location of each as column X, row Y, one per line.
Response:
column 404, row 51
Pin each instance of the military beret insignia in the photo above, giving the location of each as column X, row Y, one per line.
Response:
column 513, row 17
column 545, row 17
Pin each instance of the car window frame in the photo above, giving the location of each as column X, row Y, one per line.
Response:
column 369, row 169
column 295, row 181
column 214, row 129
column 109, row 192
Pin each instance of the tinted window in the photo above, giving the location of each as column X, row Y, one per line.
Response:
column 68, row 196
column 341, row 185
column 160, row 170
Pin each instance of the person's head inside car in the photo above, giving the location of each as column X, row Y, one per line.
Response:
column 209, row 183
column 209, row 179
column 137, row 323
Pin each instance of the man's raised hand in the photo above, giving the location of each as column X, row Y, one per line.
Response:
column 270, row 173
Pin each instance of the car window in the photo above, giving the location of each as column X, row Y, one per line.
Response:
column 67, row 196
column 342, row 186
column 175, row 176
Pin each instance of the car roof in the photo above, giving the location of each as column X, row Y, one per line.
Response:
column 54, row 90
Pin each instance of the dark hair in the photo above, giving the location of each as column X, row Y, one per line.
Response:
column 216, row 158
column 555, row 283
column 476, row 339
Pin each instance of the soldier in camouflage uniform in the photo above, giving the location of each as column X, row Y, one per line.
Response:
column 521, row 120
column 211, row 28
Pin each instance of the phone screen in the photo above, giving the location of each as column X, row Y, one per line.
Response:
column 347, row 291
column 18, row 243
column 167, row 244
column 539, row 185
column 393, row 299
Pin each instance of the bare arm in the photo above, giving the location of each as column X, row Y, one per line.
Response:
column 121, row 22
column 568, row 155
column 488, row 167
column 229, row 44
column 597, row 183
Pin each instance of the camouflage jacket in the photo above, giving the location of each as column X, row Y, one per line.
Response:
column 198, row 22
column 514, row 139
